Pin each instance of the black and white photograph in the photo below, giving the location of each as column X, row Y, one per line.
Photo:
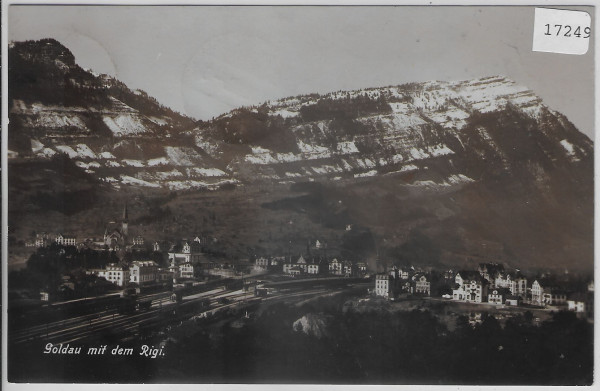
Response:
column 298, row 194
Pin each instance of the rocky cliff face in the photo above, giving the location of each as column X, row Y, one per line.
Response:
column 120, row 136
column 396, row 129
column 126, row 137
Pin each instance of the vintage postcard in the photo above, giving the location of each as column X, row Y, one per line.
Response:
column 298, row 194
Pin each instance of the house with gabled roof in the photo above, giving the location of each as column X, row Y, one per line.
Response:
column 335, row 267
column 547, row 291
column 470, row 287
column 296, row 264
column 498, row 295
column 422, row 284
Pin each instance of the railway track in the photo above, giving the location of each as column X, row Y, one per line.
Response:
column 110, row 322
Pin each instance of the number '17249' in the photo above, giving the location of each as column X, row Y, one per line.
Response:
column 567, row 31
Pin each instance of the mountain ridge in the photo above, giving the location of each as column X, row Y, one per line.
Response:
column 472, row 165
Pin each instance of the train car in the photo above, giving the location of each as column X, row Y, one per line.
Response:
column 20, row 309
column 86, row 305
column 130, row 291
column 232, row 284
column 263, row 292
column 144, row 305
column 127, row 305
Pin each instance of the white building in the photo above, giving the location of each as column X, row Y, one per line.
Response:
column 472, row 287
column 422, row 285
column 503, row 281
column 143, row 272
column 116, row 274
column 497, row 295
column 65, row 240
column 404, row 273
column 347, row 268
column 42, row 240
column 186, row 270
column 576, row 303
column 312, row 268
column 383, row 285
column 189, row 253
column 295, row 271
column 335, row 267
column 537, row 293
column 262, row 263
column 519, row 286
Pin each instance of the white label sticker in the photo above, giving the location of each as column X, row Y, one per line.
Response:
column 561, row 31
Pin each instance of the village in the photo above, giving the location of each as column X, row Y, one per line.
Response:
column 124, row 289
column 186, row 262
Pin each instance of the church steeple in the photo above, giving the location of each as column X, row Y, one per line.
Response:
column 124, row 224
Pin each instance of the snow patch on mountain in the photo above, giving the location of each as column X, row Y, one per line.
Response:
column 327, row 169
column 208, row 145
column 366, row 174
column 52, row 117
column 112, row 163
column 159, row 161
column 84, row 151
column 441, row 150
column 129, row 180
column 133, row 163
column 347, row 165
column 285, row 113
column 288, row 157
column 162, row 175
column 47, row 152
column 192, row 184
column 206, row 172
column 570, row 150
column 313, row 151
column 418, row 154
column 85, row 165
column 451, row 118
column 365, row 163
column 394, row 122
column 180, row 156
column 68, row 150
column 260, row 158
column 158, row 121
column 347, row 147
column 106, row 155
column 36, row 146
column 124, row 124
column 458, row 179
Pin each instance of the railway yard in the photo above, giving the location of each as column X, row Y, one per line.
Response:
column 107, row 320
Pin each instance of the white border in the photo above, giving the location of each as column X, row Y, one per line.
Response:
column 566, row 4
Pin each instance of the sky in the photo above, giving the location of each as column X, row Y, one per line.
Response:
column 206, row 60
